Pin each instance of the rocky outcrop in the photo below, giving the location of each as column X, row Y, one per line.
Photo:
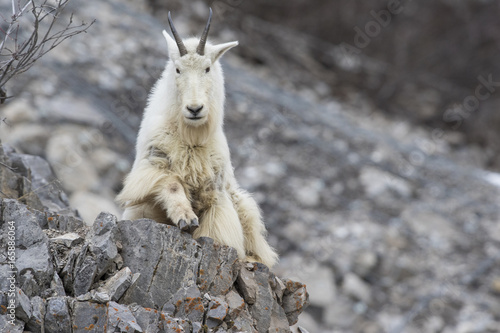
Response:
column 123, row 276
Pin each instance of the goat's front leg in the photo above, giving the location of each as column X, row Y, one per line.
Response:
column 173, row 199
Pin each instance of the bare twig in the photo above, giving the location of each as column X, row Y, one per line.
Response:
column 34, row 191
column 8, row 167
column 36, row 20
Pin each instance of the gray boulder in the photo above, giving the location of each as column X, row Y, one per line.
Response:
column 160, row 253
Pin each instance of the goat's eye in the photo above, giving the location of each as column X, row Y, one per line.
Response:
column 207, row 70
column 177, row 70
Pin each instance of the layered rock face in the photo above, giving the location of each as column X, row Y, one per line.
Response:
column 59, row 275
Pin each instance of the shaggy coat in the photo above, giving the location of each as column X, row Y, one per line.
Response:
column 182, row 172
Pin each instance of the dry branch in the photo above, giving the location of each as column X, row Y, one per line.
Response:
column 30, row 35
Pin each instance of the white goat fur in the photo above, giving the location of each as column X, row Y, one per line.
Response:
column 182, row 168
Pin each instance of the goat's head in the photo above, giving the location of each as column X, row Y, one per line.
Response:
column 198, row 75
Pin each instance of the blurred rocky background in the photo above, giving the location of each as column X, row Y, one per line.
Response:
column 368, row 132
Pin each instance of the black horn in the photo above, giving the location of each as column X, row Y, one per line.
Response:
column 203, row 40
column 178, row 40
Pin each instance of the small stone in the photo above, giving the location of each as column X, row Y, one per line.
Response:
column 235, row 303
column 69, row 240
column 101, row 297
column 116, row 285
column 217, row 311
column 85, row 297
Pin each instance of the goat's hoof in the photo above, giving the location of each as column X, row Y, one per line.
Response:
column 183, row 225
column 194, row 225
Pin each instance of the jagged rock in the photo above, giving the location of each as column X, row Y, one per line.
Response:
column 102, row 243
column 7, row 327
column 37, row 319
column 88, row 317
column 97, row 257
column 29, row 284
column 160, row 253
column 186, row 303
column 235, row 304
column 23, row 306
column 247, row 285
column 147, row 318
column 295, row 300
column 85, row 271
column 64, row 221
column 43, row 181
column 278, row 287
column 29, row 196
column 57, row 316
column 216, row 313
column 279, row 322
column 116, row 285
column 9, row 182
column 121, row 319
column 217, row 267
column 67, row 273
column 57, row 286
column 33, row 259
column 261, row 310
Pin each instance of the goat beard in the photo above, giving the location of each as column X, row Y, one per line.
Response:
column 196, row 134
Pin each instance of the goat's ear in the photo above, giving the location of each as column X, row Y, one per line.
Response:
column 219, row 49
column 173, row 50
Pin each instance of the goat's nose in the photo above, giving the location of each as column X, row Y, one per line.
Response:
column 194, row 109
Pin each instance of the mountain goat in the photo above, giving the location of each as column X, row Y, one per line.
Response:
column 182, row 173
